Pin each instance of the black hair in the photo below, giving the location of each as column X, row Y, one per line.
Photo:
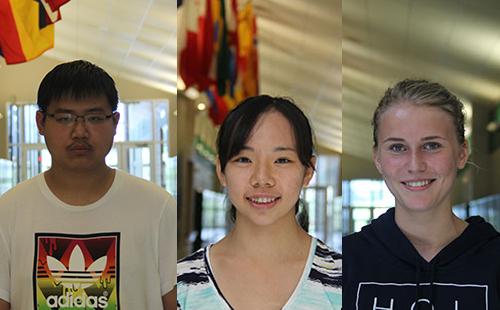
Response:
column 76, row 80
column 239, row 123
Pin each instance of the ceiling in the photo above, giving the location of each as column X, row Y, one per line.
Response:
column 453, row 42
column 300, row 52
column 133, row 39
column 335, row 59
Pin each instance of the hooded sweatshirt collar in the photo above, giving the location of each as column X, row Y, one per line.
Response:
column 388, row 234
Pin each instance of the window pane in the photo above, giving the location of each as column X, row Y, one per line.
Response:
column 139, row 162
column 31, row 134
column 6, row 175
column 161, row 121
column 112, row 158
column 214, row 216
column 171, row 175
column 38, row 161
column 13, row 124
column 139, row 121
column 363, row 201
column 120, row 135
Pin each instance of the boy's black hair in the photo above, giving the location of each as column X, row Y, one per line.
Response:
column 76, row 80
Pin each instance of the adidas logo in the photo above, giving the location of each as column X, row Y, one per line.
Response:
column 76, row 276
column 69, row 300
column 74, row 279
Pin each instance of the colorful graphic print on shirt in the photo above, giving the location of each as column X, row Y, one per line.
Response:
column 76, row 271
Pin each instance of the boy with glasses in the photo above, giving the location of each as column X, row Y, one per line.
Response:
column 83, row 235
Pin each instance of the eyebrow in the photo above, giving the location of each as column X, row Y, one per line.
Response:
column 393, row 139
column 428, row 138
column 276, row 149
column 432, row 138
column 62, row 110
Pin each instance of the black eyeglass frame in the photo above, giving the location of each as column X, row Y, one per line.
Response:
column 75, row 117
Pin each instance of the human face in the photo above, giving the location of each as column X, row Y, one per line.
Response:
column 265, row 179
column 419, row 155
column 80, row 146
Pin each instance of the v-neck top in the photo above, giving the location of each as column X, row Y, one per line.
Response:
column 319, row 287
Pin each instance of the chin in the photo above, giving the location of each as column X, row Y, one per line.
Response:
column 260, row 220
column 416, row 206
column 82, row 165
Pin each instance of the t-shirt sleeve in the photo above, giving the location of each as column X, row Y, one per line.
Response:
column 4, row 269
column 168, row 246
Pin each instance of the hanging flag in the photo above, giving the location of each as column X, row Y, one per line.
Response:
column 52, row 13
column 55, row 4
column 26, row 28
column 195, row 42
column 205, row 46
column 218, row 52
column 247, row 53
column 218, row 108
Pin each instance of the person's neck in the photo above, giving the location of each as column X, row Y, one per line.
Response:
column 80, row 187
column 274, row 242
column 429, row 231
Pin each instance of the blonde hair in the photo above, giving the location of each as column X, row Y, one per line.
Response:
column 421, row 92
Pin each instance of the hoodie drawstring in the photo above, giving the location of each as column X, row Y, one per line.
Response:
column 417, row 281
column 419, row 287
column 433, row 275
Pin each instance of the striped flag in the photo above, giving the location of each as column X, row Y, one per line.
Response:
column 26, row 28
column 52, row 13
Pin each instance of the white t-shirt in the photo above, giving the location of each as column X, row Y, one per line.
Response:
column 117, row 253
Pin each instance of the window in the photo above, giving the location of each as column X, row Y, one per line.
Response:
column 214, row 216
column 325, row 211
column 364, row 200
column 140, row 148
column 487, row 207
column 6, row 177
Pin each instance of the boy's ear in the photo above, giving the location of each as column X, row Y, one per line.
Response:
column 116, row 119
column 40, row 122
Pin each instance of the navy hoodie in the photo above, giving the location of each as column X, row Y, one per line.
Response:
column 382, row 270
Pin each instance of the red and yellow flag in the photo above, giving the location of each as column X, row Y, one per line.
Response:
column 26, row 28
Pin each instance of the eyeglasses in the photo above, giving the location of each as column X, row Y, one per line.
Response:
column 70, row 118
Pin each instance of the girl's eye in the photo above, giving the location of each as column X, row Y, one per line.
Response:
column 431, row 146
column 282, row 161
column 397, row 148
column 241, row 159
